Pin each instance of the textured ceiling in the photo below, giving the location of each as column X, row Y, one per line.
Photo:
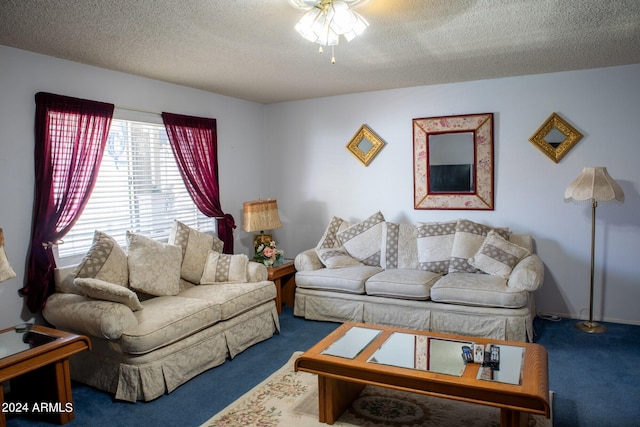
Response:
column 248, row 48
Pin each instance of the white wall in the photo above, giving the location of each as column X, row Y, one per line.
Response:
column 296, row 153
column 23, row 74
column 319, row 178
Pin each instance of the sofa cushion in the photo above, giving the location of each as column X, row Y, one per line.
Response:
column 402, row 283
column 468, row 239
column 105, row 260
column 154, row 267
column 362, row 240
column 105, row 291
column 399, row 246
column 435, row 243
column 167, row 319
column 348, row 279
column 195, row 246
column 224, row 268
column 482, row 290
column 233, row 299
column 329, row 249
column 497, row 256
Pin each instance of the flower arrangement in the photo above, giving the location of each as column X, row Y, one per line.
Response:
column 268, row 254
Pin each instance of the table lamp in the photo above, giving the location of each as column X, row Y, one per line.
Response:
column 6, row 272
column 260, row 215
column 593, row 185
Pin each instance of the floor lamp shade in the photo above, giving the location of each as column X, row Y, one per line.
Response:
column 593, row 185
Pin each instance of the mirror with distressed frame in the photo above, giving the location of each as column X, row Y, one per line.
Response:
column 555, row 138
column 453, row 162
column 365, row 145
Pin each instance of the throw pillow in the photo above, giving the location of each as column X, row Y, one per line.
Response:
column 363, row 240
column 399, row 247
column 498, row 256
column 336, row 258
column 195, row 246
column 105, row 260
column 435, row 243
column 154, row 267
column 6, row 272
column 468, row 239
column 224, row 268
column 105, row 291
column 329, row 248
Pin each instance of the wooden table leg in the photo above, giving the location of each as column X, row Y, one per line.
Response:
column 334, row 397
column 511, row 418
column 64, row 393
column 278, row 283
column 3, row 418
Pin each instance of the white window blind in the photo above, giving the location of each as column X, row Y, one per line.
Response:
column 139, row 189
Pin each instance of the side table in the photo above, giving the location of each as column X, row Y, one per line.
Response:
column 284, row 276
column 37, row 363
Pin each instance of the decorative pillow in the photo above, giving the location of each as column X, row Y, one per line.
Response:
column 224, row 268
column 195, row 247
column 435, row 243
column 6, row 272
column 468, row 239
column 498, row 256
column 154, row 267
column 336, row 258
column 399, row 247
column 362, row 240
column 330, row 246
column 105, row 291
column 105, row 260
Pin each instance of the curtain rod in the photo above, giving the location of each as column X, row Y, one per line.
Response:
column 137, row 110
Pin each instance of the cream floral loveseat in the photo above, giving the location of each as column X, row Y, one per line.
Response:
column 455, row 276
column 160, row 314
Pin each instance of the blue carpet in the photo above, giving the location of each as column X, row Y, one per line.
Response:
column 595, row 379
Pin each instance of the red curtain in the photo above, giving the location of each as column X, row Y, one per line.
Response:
column 194, row 142
column 70, row 137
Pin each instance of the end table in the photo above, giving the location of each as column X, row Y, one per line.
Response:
column 284, row 276
column 36, row 361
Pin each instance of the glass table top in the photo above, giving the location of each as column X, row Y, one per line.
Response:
column 422, row 352
column 18, row 340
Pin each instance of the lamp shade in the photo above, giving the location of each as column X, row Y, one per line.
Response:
column 260, row 215
column 6, row 272
column 594, row 183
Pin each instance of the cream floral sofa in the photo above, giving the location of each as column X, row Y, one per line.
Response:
column 456, row 277
column 160, row 314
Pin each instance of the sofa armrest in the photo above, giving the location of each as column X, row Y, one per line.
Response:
column 256, row 272
column 308, row 260
column 104, row 319
column 528, row 274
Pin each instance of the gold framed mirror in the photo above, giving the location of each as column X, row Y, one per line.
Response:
column 453, row 162
column 365, row 145
column 555, row 137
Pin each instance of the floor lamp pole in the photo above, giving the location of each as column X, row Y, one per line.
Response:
column 591, row 326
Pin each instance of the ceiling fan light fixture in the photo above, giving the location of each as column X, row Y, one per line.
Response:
column 327, row 20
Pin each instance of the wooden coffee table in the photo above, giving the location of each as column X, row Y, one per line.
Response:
column 341, row 379
column 40, row 381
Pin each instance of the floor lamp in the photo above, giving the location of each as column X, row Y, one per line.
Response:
column 593, row 185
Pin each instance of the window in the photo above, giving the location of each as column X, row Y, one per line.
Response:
column 139, row 189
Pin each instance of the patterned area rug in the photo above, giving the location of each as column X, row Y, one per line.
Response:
column 289, row 398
